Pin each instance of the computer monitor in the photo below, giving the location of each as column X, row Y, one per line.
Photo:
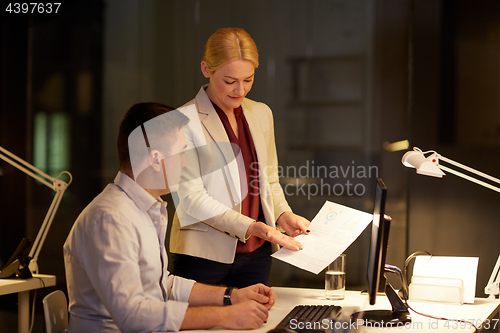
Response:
column 381, row 223
column 18, row 262
column 378, row 243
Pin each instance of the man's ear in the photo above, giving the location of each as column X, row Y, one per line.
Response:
column 154, row 160
column 204, row 69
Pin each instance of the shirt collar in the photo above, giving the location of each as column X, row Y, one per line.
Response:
column 142, row 199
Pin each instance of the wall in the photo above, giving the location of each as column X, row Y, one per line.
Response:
column 455, row 95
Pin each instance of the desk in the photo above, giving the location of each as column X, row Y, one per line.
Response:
column 22, row 287
column 481, row 310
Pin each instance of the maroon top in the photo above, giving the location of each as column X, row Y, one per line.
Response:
column 250, row 206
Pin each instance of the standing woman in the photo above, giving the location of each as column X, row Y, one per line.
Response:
column 210, row 242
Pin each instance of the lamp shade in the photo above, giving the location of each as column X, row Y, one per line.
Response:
column 425, row 165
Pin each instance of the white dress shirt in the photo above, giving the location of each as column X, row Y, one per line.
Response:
column 116, row 265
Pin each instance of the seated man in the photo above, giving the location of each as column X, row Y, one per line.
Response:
column 115, row 257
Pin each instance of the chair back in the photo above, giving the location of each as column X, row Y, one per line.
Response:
column 55, row 309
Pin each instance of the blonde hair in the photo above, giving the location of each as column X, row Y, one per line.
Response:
column 227, row 45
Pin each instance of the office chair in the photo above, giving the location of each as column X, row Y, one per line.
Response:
column 55, row 309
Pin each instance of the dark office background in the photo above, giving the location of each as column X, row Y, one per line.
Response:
column 342, row 77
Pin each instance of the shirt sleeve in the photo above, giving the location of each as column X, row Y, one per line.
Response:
column 110, row 261
column 179, row 288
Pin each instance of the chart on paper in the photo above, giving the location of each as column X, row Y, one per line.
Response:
column 333, row 230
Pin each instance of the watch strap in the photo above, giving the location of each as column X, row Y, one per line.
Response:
column 227, row 296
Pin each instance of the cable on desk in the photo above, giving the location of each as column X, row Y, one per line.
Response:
column 405, row 294
column 441, row 318
column 41, row 280
column 404, row 274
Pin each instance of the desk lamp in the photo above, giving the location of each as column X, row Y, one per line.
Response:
column 55, row 184
column 493, row 286
column 430, row 166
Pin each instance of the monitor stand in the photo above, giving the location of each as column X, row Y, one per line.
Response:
column 398, row 316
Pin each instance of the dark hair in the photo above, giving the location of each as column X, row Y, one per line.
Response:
column 139, row 114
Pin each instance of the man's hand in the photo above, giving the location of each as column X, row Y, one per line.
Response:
column 257, row 292
column 272, row 235
column 293, row 224
column 248, row 315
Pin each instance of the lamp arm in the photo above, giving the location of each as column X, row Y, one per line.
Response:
column 492, row 288
column 9, row 158
column 44, row 230
column 59, row 186
column 469, row 178
column 460, row 165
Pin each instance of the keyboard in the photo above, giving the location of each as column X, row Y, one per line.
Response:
column 310, row 318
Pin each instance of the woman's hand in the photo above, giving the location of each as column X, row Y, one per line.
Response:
column 272, row 235
column 293, row 224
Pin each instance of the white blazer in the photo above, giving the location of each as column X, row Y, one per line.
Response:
column 208, row 222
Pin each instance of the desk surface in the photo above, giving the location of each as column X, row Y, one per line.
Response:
column 10, row 286
column 481, row 311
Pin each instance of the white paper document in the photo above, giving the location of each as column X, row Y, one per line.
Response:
column 464, row 268
column 333, row 229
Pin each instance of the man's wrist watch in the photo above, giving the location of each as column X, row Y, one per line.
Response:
column 227, row 296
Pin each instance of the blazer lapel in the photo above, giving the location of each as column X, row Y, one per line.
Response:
column 257, row 135
column 210, row 120
column 259, row 142
column 216, row 131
